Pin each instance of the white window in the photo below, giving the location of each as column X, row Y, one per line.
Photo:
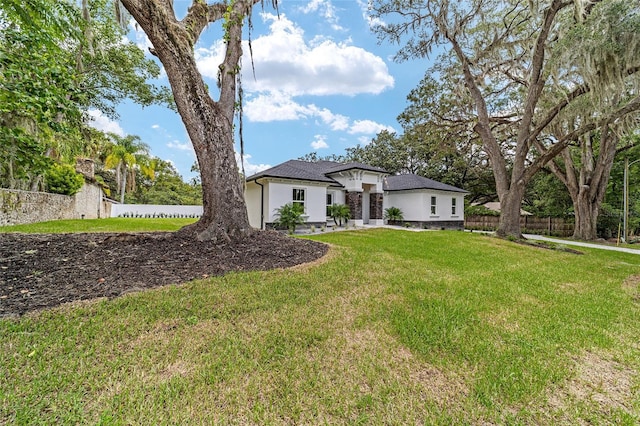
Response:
column 299, row 197
column 329, row 203
column 433, row 206
column 453, row 206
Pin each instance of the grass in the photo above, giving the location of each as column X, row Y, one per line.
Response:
column 116, row 224
column 393, row 327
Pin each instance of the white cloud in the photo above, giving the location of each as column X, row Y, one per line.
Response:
column 155, row 126
column 364, row 140
column 180, row 146
column 275, row 106
column 251, row 169
column 368, row 127
column 366, row 15
column 284, row 61
column 320, row 142
column 326, row 9
column 141, row 39
column 103, row 123
column 278, row 106
column 209, row 59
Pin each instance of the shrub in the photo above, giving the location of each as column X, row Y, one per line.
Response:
column 289, row 216
column 63, row 179
column 340, row 212
column 393, row 214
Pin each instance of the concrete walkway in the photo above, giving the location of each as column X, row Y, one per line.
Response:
column 581, row 244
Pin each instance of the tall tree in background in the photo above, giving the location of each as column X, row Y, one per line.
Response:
column 500, row 53
column 209, row 123
column 584, row 167
column 125, row 153
column 56, row 64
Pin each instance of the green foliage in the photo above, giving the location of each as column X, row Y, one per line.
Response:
column 123, row 154
column 393, row 214
column 161, row 184
column 54, row 66
column 290, row 216
column 340, row 212
column 63, row 179
column 479, row 211
column 547, row 196
column 609, row 221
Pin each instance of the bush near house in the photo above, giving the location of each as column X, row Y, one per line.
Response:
column 393, row 214
column 340, row 212
column 289, row 216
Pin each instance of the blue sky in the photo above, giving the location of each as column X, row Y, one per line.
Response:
column 323, row 83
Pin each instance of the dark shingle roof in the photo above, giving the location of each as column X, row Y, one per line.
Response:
column 407, row 182
column 320, row 171
column 311, row 171
column 295, row 169
column 341, row 167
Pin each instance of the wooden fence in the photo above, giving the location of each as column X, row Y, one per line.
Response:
column 555, row 226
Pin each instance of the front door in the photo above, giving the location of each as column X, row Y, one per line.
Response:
column 365, row 203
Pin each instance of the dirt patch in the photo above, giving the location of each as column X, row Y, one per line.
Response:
column 632, row 287
column 602, row 381
column 45, row 270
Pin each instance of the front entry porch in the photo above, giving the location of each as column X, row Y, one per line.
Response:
column 366, row 206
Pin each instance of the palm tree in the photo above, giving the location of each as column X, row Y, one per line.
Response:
column 339, row 212
column 124, row 154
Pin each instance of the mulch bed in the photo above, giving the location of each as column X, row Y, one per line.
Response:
column 45, row 270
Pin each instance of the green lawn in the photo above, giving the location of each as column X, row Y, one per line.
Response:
column 393, row 327
column 116, row 224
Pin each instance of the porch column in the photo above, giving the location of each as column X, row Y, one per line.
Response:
column 376, row 214
column 354, row 201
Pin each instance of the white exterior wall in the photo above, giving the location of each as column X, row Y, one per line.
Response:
column 146, row 210
column 281, row 193
column 416, row 205
column 411, row 203
column 338, row 195
column 253, row 196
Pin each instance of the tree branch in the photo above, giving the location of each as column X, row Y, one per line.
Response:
column 577, row 92
column 536, row 81
column 556, row 148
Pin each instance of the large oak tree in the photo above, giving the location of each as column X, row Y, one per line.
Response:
column 208, row 122
column 501, row 52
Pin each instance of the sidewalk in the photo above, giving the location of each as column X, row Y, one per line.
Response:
column 581, row 244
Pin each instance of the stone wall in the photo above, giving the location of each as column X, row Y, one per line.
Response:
column 20, row 207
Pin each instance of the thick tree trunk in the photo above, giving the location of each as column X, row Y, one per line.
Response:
column 208, row 123
column 510, row 204
column 224, row 209
column 586, row 216
column 587, row 183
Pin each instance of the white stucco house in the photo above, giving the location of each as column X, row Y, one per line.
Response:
column 367, row 190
